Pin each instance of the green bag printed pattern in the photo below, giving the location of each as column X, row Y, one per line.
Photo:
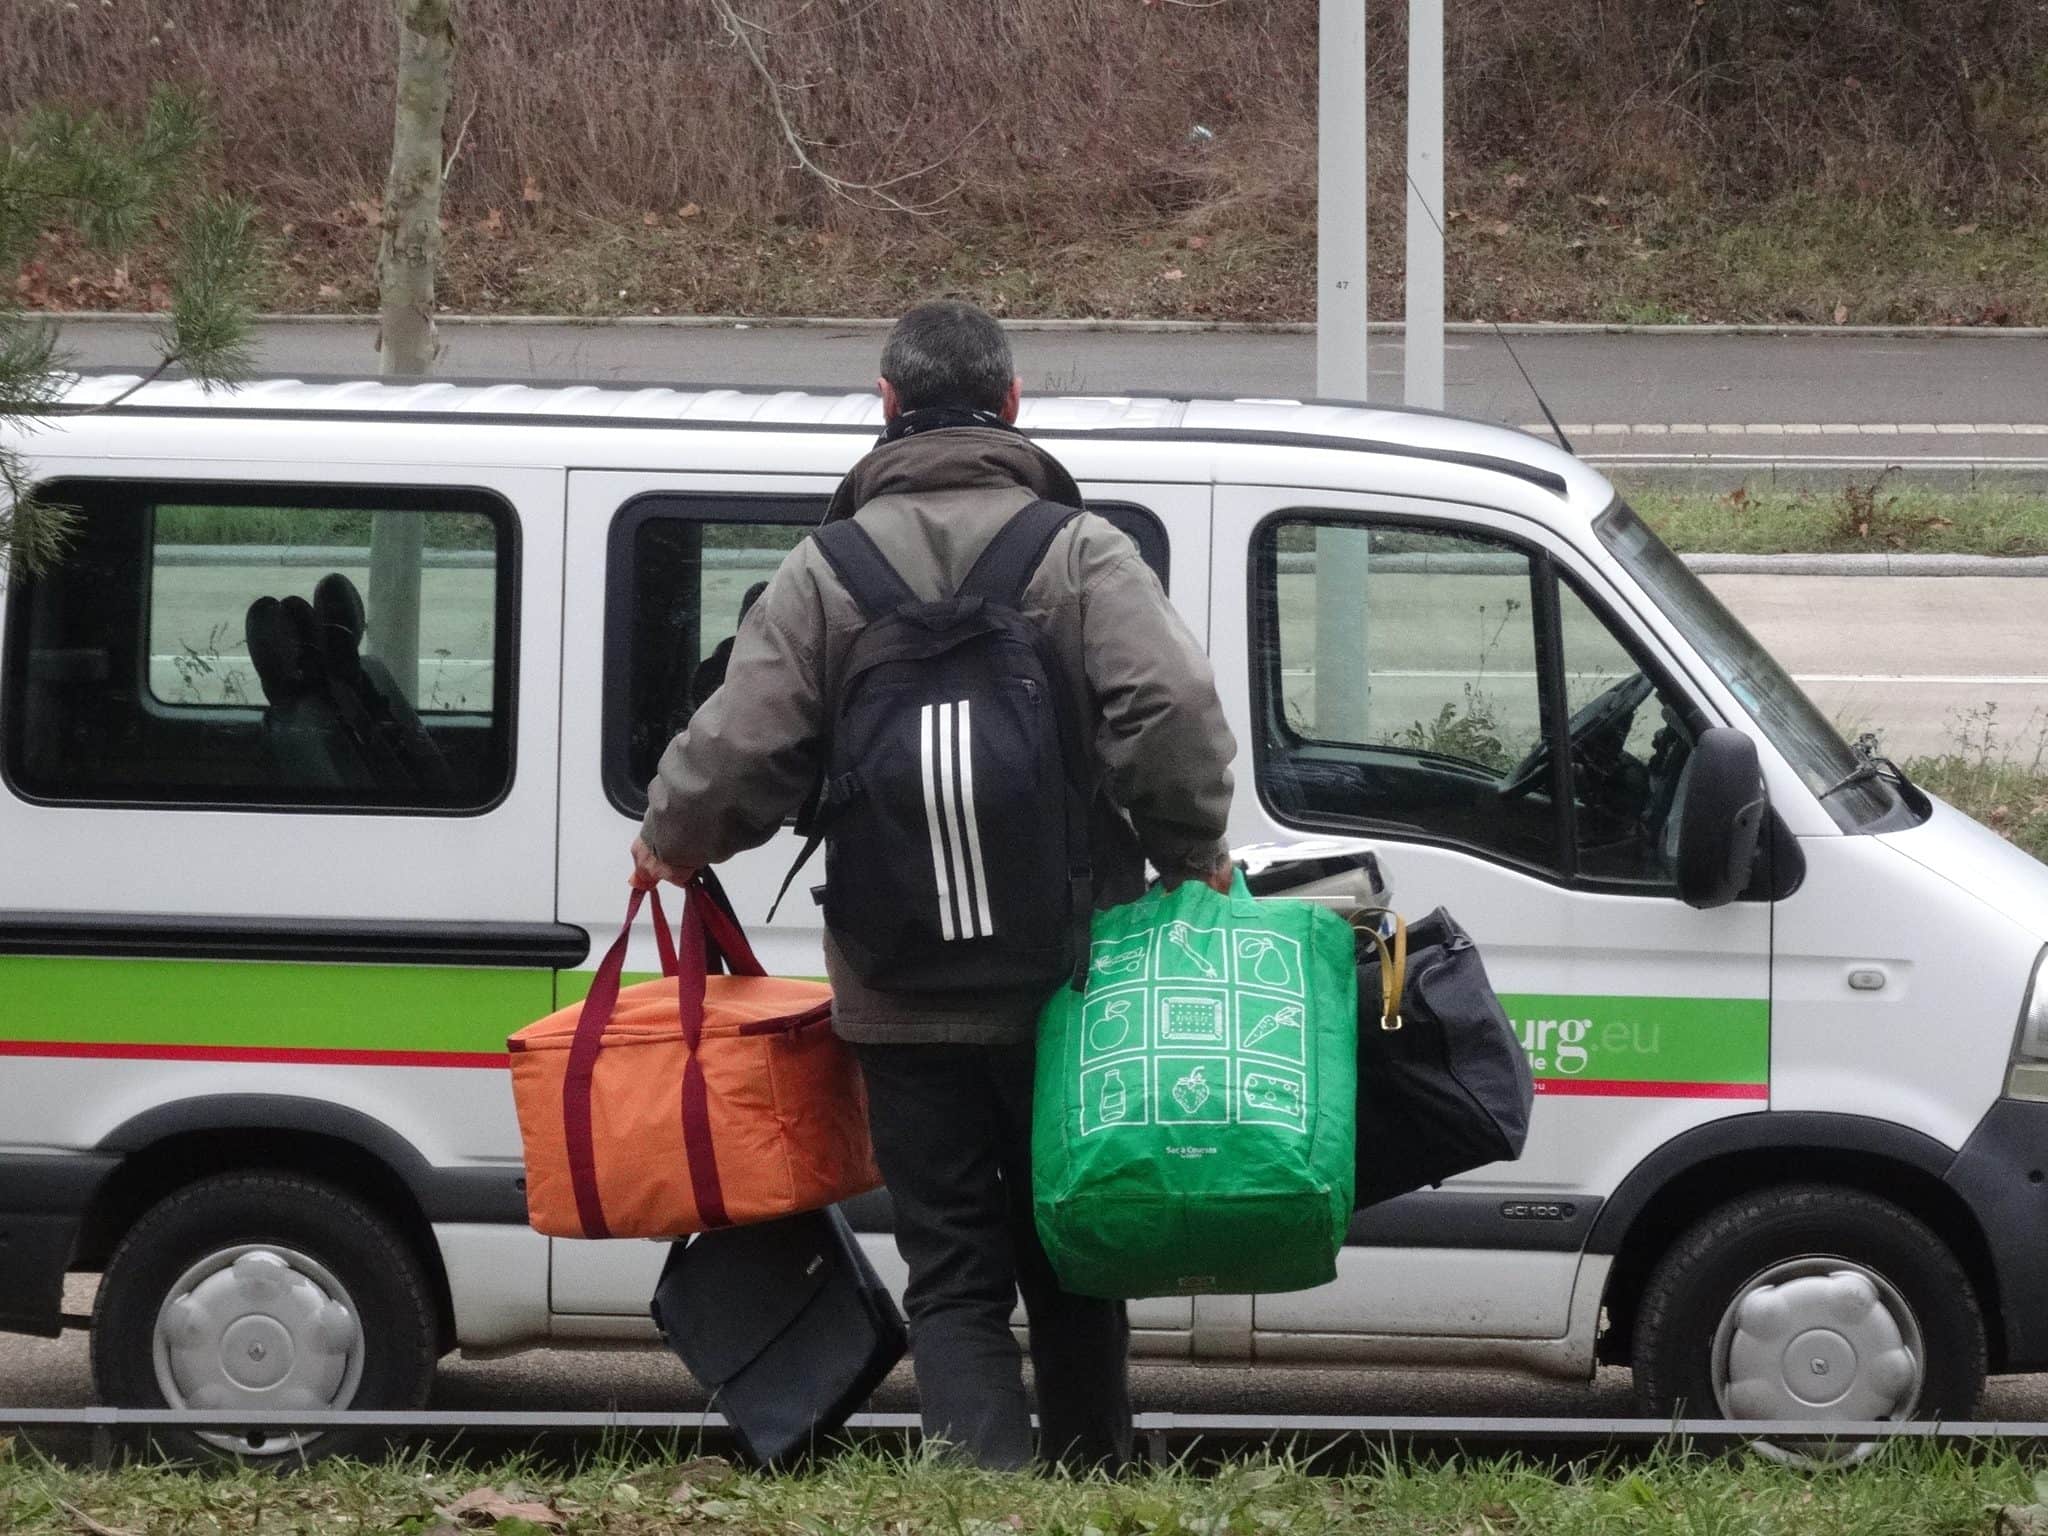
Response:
column 1192, row 1128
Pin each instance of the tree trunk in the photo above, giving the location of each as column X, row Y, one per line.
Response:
column 412, row 192
column 405, row 281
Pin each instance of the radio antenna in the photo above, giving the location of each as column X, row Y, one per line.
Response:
column 1513, row 356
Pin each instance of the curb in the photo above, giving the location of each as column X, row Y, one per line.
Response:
column 1866, row 565
column 1126, row 327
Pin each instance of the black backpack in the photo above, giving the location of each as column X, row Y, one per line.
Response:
column 954, row 802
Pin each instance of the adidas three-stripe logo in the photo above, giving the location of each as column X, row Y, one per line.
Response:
column 945, row 745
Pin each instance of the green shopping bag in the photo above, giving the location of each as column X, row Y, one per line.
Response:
column 1192, row 1130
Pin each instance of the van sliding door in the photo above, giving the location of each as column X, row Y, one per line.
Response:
column 666, row 563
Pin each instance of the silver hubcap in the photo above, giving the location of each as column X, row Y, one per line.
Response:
column 262, row 1328
column 1819, row 1338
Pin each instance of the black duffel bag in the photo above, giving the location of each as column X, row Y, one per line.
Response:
column 1443, row 1084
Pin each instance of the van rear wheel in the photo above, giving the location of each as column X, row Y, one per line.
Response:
column 270, row 1292
column 1809, row 1302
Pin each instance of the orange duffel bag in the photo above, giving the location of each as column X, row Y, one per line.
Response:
column 693, row 1102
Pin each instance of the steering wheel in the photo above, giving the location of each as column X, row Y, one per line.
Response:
column 1612, row 707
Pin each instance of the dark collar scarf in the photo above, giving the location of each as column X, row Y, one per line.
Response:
column 936, row 418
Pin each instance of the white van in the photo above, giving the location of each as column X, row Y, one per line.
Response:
column 268, row 912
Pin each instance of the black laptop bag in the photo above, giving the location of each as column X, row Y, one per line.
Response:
column 785, row 1323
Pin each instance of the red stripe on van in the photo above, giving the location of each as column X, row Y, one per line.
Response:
column 1621, row 1088
column 281, row 1055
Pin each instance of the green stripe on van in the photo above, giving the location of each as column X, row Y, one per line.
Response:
column 290, row 1006
column 1644, row 1039
column 273, row 1006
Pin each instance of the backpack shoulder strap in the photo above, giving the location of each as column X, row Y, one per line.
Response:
column 863, row 569
column 1013, row 556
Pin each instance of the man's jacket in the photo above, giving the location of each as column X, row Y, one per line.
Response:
column 932, row 501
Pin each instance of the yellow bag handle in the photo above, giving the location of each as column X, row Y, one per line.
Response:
column 1393, row 963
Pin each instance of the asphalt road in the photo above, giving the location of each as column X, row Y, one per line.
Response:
column 1642, row 398
column 53, row 1373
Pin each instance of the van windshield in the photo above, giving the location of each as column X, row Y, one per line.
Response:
column 1799, row 731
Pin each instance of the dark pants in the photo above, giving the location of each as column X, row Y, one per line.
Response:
column 952, row 1132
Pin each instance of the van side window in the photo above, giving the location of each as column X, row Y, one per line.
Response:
column 1399, row 687
column 272, row 646
column 683, row 571
column 1424, row 681
column 1629, row 748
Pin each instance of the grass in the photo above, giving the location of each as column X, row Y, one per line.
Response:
column 1994, row 775
column 1798, row 261
column 2007, row 797
column 296, row 526
column 1878, row 516
column 1924, row 1491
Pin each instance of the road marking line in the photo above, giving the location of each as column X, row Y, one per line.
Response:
column 1794, row 429
column 1956, row 679
column 1944, row 679
column 1815, row 460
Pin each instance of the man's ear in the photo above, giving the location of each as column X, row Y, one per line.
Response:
column 1013, row 400
column 892, row 403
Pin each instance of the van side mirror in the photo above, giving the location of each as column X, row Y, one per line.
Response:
column 1720, row 818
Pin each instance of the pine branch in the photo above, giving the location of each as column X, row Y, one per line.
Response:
column 212, row 293
column 31, row 371
column 34, row 533
column 176, row 129
column 108, row 186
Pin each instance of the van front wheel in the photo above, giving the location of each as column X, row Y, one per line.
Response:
column 268, row 1292
column 1809, row 1302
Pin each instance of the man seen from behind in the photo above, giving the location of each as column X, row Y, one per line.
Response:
column 949, row 1073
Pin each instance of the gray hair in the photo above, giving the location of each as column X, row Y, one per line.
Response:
column 949, row 353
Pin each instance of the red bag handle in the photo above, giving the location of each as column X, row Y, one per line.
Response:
column 705, row 924
column 664, row 942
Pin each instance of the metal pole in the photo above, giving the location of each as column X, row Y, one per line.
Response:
column 1343, row 680
column 1423, row 335
column 1340, row 203
column 1342, row 554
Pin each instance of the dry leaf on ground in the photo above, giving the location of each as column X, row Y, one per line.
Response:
column 704, row 1471
column 86, row 1522
column 487, row 1506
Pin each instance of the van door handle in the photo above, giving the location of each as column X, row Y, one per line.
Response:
column 1866, row 978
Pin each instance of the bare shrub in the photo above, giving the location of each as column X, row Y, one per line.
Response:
column 1061, row 116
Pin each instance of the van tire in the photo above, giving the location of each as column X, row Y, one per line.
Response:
column 1690, row 1291
column 341, row 1244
